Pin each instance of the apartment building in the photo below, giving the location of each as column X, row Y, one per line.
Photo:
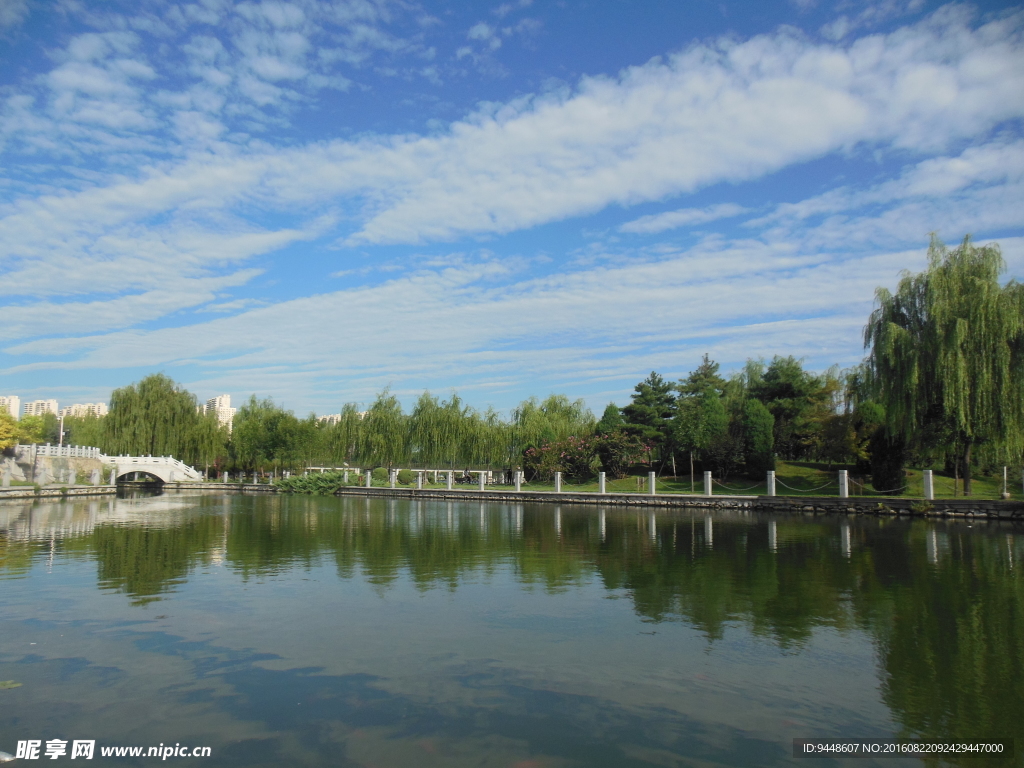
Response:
column 40, row 407
column 85, row 409
column 11, row 404
column 221, row 405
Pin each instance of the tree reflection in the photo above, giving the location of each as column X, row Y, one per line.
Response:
column 944, row 603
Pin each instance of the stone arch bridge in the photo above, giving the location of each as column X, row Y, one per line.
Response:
column 167, row 469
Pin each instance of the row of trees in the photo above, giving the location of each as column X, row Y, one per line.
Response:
column 943, row 382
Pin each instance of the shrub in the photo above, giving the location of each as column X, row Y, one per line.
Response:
column 405, row 476
column 380, row 475
column 618, row 451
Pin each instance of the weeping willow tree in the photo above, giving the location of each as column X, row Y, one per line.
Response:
column 341, row 440
column 383, row 439
column 154, row 417
column 535, row 423
column 439, row 432
column 947, row 352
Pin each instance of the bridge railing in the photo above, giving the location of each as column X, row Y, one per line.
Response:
column 64, row 451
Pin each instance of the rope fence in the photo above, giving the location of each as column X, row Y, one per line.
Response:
column 806, row 490
column 720, row 484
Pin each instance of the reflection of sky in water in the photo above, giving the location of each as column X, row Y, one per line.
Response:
column 339, row 632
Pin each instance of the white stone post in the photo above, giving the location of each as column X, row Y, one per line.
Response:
column 450, row 479
column 651, row 482
column 707, row 484
column 419, row 481
column 369, row 478
column 392, row 476
column 113, row 476
column 929, row 484
column 344, row 477
column 601, row 485
column 483, row 479
column 771, row 483
column 519, row 481
column 844, row 484
column 558, row 482
column 94, row 478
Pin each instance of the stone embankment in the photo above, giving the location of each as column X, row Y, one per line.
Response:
column 854, row 505
column 31, row 492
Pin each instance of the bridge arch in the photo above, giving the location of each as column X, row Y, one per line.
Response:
column 125, row 476
column 165, row 469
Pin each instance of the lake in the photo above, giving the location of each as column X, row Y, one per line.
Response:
column 321, row 631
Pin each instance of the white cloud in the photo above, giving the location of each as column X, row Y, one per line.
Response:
column 660, row 222
column 177, row 235
column 12, row 13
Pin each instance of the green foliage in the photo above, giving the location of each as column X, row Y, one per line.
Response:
column 157, row 417
column 800, row 401
column 611, row 420
column 575, row 457
column 537, row 423
column 405, row 476
column 948, row 347
column 10, row 431
column 32, row 429
column 759, row 437
column 650, row 413
column 888, row 461
column 384, row 436
column 380, row 475
column 264, row 435
column 618, row 451
column 315, row 483
column 701, row 423
column 86, row 430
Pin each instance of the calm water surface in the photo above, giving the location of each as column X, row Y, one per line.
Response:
column 297, row 631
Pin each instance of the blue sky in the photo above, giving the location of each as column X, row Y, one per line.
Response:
column 313, row 200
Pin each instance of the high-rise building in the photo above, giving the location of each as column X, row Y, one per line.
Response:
column 11, row 404
column 221, row 405
column 85, row 409
column 330, row 419
column 39, row 407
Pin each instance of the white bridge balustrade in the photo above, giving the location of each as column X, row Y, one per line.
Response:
column 65, row 451
column 166, row 468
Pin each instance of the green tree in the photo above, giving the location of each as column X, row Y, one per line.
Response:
column 800, row 401
column 264, row 434
column 384, row 433
column 85, row 430
column 10, row 430
column 701, row 425
column 611, row 420
column 948, row 347
column 154, row 417
column 759, row 437
column 650, row 412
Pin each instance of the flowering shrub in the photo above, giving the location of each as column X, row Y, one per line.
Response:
column 618, row 451
column 575, row 457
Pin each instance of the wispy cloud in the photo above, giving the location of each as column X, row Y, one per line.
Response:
column 660, row 222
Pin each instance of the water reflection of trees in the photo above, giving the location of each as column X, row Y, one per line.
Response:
column 944, row 604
